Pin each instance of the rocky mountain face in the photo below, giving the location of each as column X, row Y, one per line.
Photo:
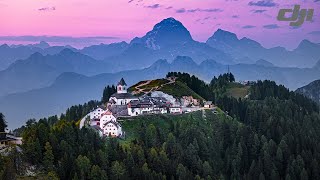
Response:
column 311, row 90
column 167, row 40
column 169, row 32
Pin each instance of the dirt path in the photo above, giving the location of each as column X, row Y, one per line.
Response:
column 138, row 90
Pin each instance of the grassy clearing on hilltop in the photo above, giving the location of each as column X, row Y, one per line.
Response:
column 237, row 90
column 174, row 88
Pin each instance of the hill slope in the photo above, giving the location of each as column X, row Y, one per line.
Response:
column 168, row 86
column 311, row 90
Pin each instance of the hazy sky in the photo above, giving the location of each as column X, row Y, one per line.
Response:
column 107, row 21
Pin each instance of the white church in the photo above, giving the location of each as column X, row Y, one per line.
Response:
column 121, row 97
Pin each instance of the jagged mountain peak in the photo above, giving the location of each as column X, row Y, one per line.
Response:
column 161, row 61
column 168, row 23
column 223, row 35
column 184, row 61
column 248, row 41
column 4, row 46
column 159, row 64
column 166, row 33
column 306, row 44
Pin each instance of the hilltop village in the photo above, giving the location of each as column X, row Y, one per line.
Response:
column 123, row 104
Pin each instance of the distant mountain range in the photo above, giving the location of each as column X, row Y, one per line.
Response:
column 248, row 51
column 311, row 90
column 40, row 71
column 10, row 54
column 71, row 88
column 104, row 51
column 168, row 39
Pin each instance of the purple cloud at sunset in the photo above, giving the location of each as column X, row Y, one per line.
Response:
column 124, row 20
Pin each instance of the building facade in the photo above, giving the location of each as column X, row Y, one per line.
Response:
column 96, row 114
column 109, row 125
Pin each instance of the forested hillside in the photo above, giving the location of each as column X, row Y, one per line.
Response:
column 272, row 134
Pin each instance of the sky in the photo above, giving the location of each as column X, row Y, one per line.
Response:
column 85, row 22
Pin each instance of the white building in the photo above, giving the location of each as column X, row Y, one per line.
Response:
column 106, row 117
column 148, row 105
column 208, row 104
column 175, row 110
column 112, row 128
column 96, row 114
column 109, row 125
column 122, row 97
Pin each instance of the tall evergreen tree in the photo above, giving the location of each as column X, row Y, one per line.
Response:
column 3, row 123
column 48, row 158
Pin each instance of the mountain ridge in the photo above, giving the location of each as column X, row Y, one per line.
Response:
column 311, row 90
column 41, row 70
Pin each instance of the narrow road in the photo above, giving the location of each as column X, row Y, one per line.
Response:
column 83, row 120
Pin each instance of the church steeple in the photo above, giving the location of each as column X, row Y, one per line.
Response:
column 122, row 87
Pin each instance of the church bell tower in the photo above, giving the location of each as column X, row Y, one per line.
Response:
column 122, row 87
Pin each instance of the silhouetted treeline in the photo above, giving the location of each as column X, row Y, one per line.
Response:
column 107, row 92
